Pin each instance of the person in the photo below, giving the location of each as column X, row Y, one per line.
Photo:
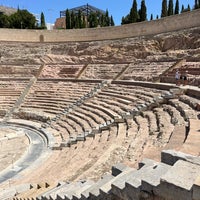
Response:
column 185, row 78
column 177, row 77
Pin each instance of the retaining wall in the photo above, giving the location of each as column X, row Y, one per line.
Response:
column 167, row 24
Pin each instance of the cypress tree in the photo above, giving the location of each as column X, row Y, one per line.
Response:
column 188, row 8
column 133, row 16
column 164, row 8
column 151, row 18
column 102, row 20
column 182, row 8
column 42, row 21
column 84, row 22
column 76, row 22
column 79, row 19
column 170, row 8
column 196, row 4
column 73, row 22
column 143, row 11
column 107, row 19
column 93, row 22
column 176, row 7
column 112, row 23
column 68, row 19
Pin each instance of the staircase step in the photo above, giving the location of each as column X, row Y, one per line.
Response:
column 170, row 157
column 145, row 178
column 105, row 189
column 75, row 193
column 178, row 181
column 94, row 189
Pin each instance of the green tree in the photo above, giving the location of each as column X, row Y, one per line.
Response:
column 196, row 5
column 112, row 23
column 107, row 19
column 151, row 18
column 182, row 8
column 4, row 21
column 84, row 22
column 79, row 19
column 93, row 22
column 164, row 8
column 22, row 19
column 133, row 15
column 102, row 20
column 125, row 20
column 73, row 22
column 143, row 11
column 176, row 11
column 170, row 8
column 188, row 8
column 42, row 21
column 68, row 19
column 185, row 9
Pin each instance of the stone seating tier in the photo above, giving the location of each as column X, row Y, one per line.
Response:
column 152, row 179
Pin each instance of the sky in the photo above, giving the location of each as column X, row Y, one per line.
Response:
column 116, row 8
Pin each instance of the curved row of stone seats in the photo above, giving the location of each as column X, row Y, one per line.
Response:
column 132, row 93
column 97, row 107
column 173, row 120
column 18, row 71
column 61, row 70
column 145, row 71
column 175, row 177
column 76, row 125
column 103, row 70
column 51, row 98
column 160, row 128
column 191, row 101
column 186, row 111
column 108, row 122
column 10, row 91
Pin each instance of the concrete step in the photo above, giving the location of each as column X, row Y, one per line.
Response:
column 170, row 157
column 75, row 192
column 94, row 189
column 145, row 178
column 178, row 181
column 105, row 189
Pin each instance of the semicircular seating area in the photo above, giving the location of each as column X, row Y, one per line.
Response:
column 105, row 113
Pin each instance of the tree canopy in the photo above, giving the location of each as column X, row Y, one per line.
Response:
column 22, row 19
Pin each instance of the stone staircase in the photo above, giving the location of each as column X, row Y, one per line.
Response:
column 175, row 177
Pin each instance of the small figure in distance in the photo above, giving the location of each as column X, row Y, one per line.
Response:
column 177, row 77
column 185, row 78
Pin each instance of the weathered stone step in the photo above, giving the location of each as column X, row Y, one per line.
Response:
column 145, row 178
column 105, row 189
column 74, row 189
column 94, row 189
column 178, row 181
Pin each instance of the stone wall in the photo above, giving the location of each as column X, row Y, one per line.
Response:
column 167, row 24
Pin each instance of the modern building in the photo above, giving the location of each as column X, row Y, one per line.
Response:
column 86, row 10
